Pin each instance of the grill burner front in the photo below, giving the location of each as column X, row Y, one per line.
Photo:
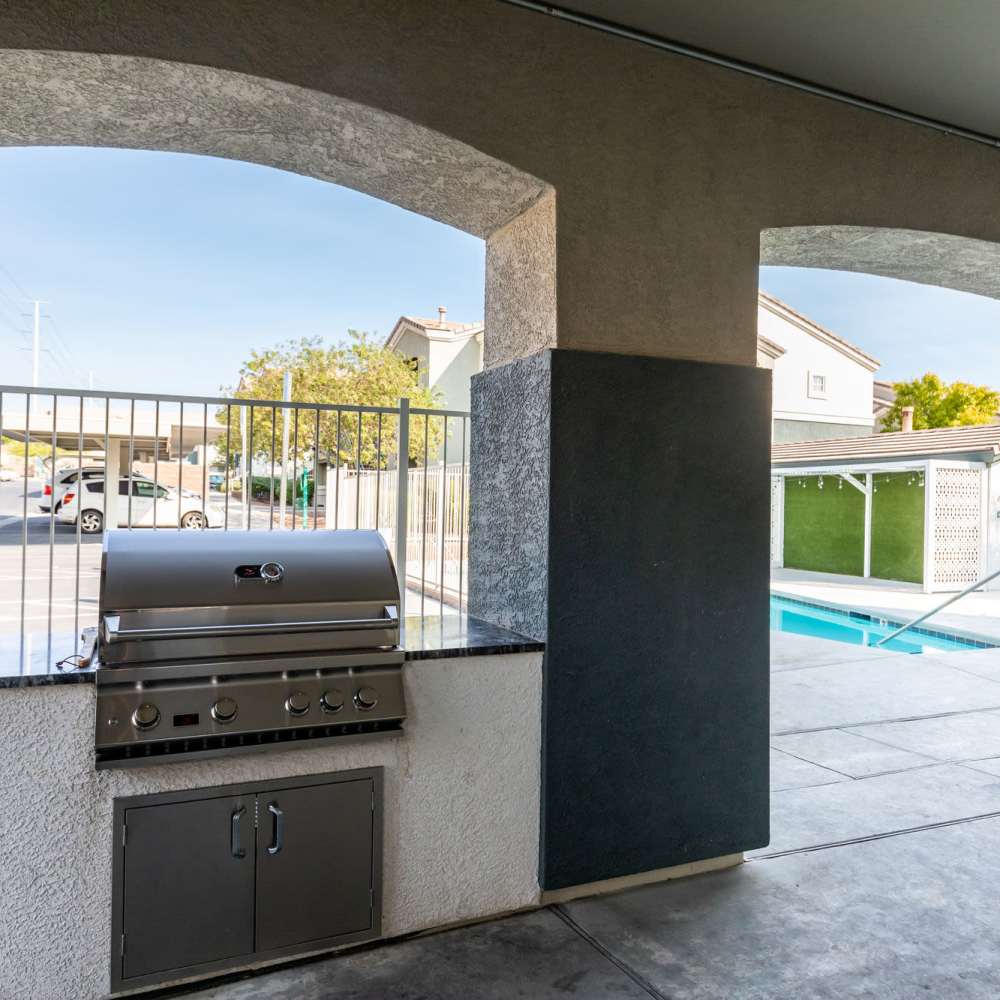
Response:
column 212, row 644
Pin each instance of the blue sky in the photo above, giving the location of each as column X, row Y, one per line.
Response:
column 162, row 271
column 910, row 328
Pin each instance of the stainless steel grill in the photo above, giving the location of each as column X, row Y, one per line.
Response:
column 219, row 644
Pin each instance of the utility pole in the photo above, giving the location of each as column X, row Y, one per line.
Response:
column 36, row 337
column 246, row 470
column 286, row 395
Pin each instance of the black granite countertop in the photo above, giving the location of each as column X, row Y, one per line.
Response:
column 430, row 637
column 435, row 637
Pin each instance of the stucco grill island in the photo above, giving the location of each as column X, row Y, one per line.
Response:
column 313, row 841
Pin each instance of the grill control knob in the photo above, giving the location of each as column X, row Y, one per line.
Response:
column 145, row 716
column 224, row 710
column 332, row 700
column 366, row 698
column 297, row 703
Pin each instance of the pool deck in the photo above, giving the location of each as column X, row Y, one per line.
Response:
column 879, row 882
column 976, row 614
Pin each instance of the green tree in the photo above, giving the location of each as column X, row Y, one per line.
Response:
column 359, row 373
column 939, row 404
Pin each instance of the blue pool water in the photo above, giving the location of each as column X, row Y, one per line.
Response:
column 858, row 628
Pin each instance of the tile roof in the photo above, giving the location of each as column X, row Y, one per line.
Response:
column 942, row 441
column 814, row 328
column 446, row 327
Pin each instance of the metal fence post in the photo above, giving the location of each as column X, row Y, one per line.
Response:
column 402, row 497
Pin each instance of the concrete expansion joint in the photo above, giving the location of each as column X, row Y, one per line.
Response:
column 879, row 722
column 871, row 838
column 644, row 984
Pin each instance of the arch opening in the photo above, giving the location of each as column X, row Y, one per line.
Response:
column 82, row 99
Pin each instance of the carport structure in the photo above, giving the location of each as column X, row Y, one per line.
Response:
column 105, row 427
column 912, row 506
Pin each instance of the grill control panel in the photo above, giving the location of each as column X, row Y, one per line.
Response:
column 171, row 714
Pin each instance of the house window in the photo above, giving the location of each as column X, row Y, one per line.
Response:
column 817, row 386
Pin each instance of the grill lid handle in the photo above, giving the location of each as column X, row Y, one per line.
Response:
column 113, row 632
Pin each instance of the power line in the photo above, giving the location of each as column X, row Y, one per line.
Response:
column 14, row 282
column 62, row 344
column 60, row 351
column 9, row 298
column 7, row 321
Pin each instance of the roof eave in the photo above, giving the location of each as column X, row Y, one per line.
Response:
column 828, row 337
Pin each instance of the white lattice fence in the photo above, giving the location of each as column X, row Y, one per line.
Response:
column 957, row 526
column 777, row 520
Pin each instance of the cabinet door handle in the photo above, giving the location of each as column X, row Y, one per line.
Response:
column 234, row 833
column 279, row 828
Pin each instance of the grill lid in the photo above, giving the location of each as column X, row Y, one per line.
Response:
column 169, row 595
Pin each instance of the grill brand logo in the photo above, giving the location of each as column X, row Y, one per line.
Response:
column 269, row 572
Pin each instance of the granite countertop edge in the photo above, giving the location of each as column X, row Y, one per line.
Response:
column 428, row 638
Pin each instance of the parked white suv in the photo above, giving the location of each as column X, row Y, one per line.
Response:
column 150, row 504
column 63, row 481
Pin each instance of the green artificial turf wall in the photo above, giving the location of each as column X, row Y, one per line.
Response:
column 824, row 527
column 898, row 526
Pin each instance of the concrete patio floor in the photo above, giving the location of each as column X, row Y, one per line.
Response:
column 879, row 882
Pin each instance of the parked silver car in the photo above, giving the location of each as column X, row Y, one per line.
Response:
column 150, row 505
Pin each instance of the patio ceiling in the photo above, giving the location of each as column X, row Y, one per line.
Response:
column 923, row 57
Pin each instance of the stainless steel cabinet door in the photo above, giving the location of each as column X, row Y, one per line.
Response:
column 188, row 890
column 314, row 863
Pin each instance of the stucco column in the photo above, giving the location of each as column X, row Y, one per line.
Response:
column 620, row 511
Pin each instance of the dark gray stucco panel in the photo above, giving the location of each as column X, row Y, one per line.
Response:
column 656, row 683
column 621, row 511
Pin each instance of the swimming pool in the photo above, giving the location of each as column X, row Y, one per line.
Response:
column 859, row 628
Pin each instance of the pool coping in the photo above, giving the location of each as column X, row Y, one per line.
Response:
column 972, row 639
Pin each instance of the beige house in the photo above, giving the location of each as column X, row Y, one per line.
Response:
column 447, row 354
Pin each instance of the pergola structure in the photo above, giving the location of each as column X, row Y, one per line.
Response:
column 911, row 506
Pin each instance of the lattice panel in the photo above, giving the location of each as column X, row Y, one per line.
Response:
column 958, row 525
column 777, row 515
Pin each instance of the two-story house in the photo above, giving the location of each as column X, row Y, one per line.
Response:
column 447, row 354
column 822, row 384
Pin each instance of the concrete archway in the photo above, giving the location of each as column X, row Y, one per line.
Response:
column 967, row 265
column 83, row 99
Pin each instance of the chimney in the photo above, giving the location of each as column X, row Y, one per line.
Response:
column 906, row 419
column 442, row 314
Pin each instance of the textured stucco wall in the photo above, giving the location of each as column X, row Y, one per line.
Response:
column 509, row 502
column 461, row 813
column 521, row 285
column 929, row 258
column 666, row 170
column 60, row 98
